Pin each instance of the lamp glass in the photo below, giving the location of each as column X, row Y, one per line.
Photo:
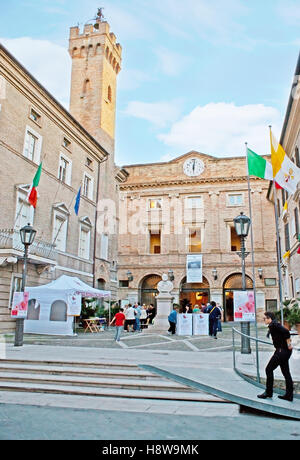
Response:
column 242, row 225
column 27, row 235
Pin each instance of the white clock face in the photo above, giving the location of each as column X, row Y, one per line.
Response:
column 193, row 167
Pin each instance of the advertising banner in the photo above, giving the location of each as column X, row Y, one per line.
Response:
column 244, row 306
column 194, row 268
column 20, row 305
column 200, row 324
column 184, row 324
column 74, row 304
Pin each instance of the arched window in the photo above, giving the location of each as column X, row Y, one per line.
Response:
column 82, row 51
column 74, row 52
column 107, row 52
column 58, row 311
column 109, row 93
column 86, row 87
column 33, row 310
column 98, row 48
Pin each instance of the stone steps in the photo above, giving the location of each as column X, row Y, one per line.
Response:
column 100, row 379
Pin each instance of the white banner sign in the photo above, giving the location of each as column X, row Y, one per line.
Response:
column 184, row 324
column 200, row 324
column 244, row 306
column 194, row 268
column 74, row 304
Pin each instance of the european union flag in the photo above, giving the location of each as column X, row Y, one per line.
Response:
column 77, row 204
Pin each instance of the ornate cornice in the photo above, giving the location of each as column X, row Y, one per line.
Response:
column 181, row 182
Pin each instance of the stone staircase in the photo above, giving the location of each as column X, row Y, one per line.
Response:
column 97, row 379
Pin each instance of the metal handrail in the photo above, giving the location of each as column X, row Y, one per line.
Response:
column 257, row 340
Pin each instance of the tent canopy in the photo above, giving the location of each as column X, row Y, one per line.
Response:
column 69, row 285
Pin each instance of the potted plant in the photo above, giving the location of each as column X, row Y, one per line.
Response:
column 294, row 318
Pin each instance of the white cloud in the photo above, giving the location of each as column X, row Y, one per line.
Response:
column 221, row 129
column 158, row 113
column 49, row 63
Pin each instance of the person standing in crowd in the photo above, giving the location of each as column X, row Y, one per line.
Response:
column 196, row 309
column 219, row 327
column 138, row 312
column 281, row 338
column 143, row 317
column 172, row 318
column 190, row 308
column 151, row 313
column 118, row 319
column 214, row 315
column 130, row 318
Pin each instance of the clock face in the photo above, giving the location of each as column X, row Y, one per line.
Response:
column 193, row 167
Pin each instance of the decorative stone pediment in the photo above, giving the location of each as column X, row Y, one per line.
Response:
column 61, row 207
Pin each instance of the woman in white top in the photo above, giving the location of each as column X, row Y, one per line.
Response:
column 144, row 316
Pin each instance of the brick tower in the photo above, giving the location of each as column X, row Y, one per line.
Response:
column 96, row 62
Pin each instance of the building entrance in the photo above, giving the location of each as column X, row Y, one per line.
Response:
column 148, row 289
column 194, row 293
column 231, row 284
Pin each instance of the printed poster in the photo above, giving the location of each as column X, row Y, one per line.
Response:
column 200, row 324
column 244, row 306
column 194, row 268
column 74, row 304
column 20, row 305
column 184, row 325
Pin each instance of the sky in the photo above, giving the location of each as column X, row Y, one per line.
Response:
column 205, row 75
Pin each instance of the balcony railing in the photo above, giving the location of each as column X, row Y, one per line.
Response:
column 10, row 239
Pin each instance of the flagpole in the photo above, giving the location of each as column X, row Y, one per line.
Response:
column 278, row 251
column 253, row 263
column 278, row 241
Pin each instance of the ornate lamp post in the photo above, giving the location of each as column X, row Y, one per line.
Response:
column 27, row 235
column 242, row 225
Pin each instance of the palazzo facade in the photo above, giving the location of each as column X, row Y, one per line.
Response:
column 187, row 206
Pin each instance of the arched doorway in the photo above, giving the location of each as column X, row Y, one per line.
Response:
column 194, row 293
column 233, row 283
column 148, row 289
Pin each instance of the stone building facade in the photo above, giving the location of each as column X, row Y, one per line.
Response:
column 289, row 220
column 76, row 149
column 185, row 206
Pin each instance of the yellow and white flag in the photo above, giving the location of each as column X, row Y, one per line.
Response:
column 285, row 172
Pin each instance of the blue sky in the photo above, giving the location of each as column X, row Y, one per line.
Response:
column 204, row 75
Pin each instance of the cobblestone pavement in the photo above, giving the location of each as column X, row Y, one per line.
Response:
column 147, row 340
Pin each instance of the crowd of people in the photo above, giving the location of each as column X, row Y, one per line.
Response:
column 214, row 310
column 133, row 318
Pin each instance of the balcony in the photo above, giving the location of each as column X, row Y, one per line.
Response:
column 40, row 252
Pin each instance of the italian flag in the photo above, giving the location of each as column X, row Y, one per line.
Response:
column 258, row 166
column 32, row 195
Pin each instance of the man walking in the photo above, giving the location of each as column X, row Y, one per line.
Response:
column 119, row 319
column 283, row 350
column 214, row 316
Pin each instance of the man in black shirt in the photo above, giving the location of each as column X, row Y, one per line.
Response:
column 283, row 351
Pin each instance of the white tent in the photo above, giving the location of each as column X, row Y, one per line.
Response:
column 48, row 305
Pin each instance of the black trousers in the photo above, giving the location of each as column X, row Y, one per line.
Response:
column 280, row 358
column 213, row 327
column 172, row 327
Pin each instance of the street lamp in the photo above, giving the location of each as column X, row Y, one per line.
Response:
column 171, row 275
column 242, row 225
column 215, row 273
column 129, row 276
column 27, row 235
